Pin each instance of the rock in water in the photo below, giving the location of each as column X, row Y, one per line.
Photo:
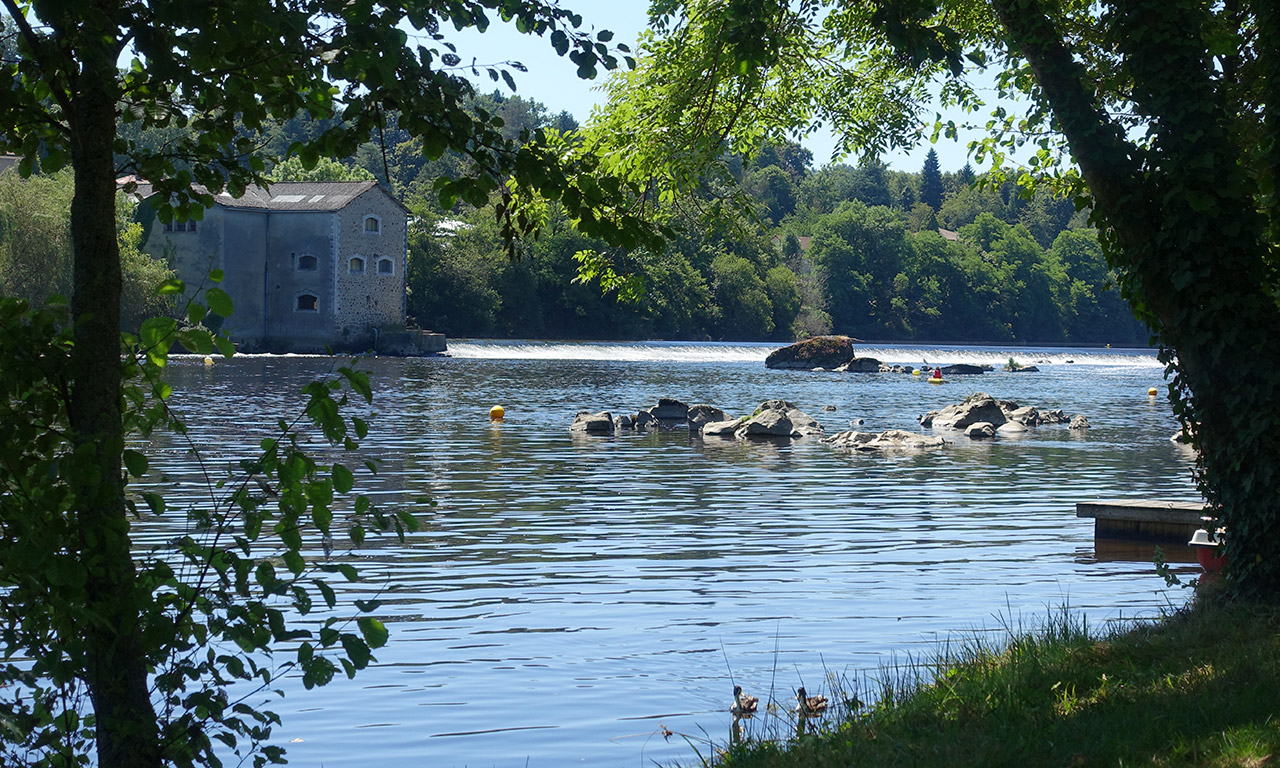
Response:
column 893, row 439
column 592, row 423
column 977, row 407
column 826, row 352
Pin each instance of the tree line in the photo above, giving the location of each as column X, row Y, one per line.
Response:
column 860, row 250
column 855, row 249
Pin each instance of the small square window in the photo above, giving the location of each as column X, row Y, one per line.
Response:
column 386, row 267
column 307, row 263
column 308, row 303
column 372, row 224
column 356, row 265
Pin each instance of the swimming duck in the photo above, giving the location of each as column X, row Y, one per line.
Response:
column 809, row 705
column 742, row 703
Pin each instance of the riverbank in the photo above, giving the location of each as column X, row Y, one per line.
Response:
column 1199, row 688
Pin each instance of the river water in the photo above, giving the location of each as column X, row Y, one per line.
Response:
column 569, row 598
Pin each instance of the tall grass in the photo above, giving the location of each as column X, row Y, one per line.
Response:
column 1201, row 687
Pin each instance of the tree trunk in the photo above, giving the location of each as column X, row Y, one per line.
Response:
column 117, row 670
column 1182, row 225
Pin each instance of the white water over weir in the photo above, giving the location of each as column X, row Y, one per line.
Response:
column 743, row 352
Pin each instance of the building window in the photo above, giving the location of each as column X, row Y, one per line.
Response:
column 386, row 267
column 372, row 225
column 308, row 303
column 180, row 226
column 307, row 263
column 356, row 265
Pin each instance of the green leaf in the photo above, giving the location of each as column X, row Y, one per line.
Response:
column 294, row 562
column 135, row 462
column 375, row 633
column 224, row 345
column 219, row 301
column 343, row 480
column 169, row 287
column 155, row 502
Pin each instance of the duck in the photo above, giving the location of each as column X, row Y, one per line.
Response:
column 809, row 705
column 742, row 703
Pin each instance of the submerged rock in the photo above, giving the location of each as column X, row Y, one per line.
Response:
column 963, row 369
column 890, row 440
column 981, row 430
column 861, row 365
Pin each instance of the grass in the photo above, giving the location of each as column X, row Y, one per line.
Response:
column 1199, row 688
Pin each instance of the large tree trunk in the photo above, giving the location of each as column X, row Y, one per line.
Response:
column 117, row 670
column 1182, row 225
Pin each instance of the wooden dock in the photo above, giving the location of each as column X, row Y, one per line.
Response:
column 1171, row 521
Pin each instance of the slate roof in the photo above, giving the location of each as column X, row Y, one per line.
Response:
column 299, row 196
column 7, row 162
column 290, row 196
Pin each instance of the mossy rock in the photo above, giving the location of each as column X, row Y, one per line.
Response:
column 819, row 352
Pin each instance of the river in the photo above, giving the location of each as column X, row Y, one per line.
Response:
column 569, row 598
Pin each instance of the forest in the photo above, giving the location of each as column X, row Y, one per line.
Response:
column 861, row 250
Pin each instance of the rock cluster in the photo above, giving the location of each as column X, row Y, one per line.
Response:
column 774, row 418
column 982, row 416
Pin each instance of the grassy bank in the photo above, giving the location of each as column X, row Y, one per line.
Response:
column 1200, row 688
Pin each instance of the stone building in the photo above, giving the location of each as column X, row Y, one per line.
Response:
column 308, row 265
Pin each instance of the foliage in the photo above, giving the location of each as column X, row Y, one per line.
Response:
column 35, row 248
column 325, row 169
column 212, row 610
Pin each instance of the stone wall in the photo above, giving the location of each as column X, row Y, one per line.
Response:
column 371, row 259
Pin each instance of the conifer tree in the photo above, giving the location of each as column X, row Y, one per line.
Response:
column 931, row 182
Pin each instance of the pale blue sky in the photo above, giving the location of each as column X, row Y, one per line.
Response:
column 552, row 80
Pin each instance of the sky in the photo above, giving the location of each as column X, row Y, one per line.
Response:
column 553, row 81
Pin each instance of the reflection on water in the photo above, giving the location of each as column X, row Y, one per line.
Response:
column 570, row 597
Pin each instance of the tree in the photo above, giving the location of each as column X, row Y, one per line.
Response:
column 931, row 182
column 221, row 72
column 325, row 169
column 1168, row 109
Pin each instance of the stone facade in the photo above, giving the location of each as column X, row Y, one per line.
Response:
column 307, row 264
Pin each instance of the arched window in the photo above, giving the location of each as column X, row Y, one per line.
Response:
column 307, row 263
column 386, row 267
column 356, row 265
column 372, row 225
column 307, row 303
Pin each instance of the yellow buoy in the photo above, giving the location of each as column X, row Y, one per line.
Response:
column 208, row 360
column 1152, row 391
column 916, row 372
column 496, row 413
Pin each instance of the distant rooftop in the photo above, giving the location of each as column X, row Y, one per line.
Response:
column 289, row 195
column 7, row 162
